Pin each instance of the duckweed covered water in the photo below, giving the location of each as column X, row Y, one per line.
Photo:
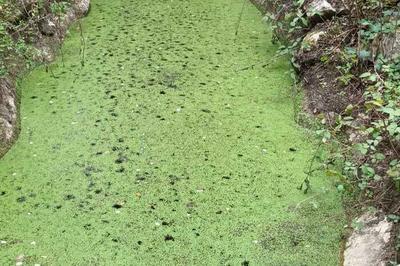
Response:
column 160, row 152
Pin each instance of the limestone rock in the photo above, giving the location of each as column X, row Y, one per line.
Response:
column 366, row 246
column 82, row 7
column 317, row 10
column 310, row 52
column 47, row 27
column 311, row 39
column 8, row 110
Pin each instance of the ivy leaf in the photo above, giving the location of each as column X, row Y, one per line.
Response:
column 364, row 54
column 365, row 22
column 391, row 112
column 362, row 148
column 340, row 188
column 377, row 178
column 365, row 75
column 300, row 2
column 393, row 173
column 305, row 21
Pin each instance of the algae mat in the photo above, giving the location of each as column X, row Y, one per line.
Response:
column 158, row 151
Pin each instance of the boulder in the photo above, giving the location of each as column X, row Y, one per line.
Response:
column 47, row 27
column 319, row 10
column 310, row 53
column 312, row 39
column 82, row 7
column 367, row 244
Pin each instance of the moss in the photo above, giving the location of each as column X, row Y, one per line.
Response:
column 158, row 151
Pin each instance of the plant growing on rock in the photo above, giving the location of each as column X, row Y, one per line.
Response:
column 21, row 25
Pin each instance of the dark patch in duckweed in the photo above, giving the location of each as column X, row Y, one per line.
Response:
column 166, row 223
column 21, row 199
column 169, row 238
column 120, row 170
column 69, row 197
column 87, row 226
column 117, row 206
column 89, row 170
column 121, row 159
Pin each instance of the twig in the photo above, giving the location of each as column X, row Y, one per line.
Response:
column 253, row 65
column 240, row 18
column 306, row 181
column 83, row 44
column 295, row 94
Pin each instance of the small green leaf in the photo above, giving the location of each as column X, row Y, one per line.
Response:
column 365, row 75
column 340, row 188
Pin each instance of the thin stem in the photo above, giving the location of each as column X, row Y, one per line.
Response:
column 240, row 18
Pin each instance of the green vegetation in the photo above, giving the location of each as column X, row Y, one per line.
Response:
column 376, row 119
column 165, row 148
column 367, row 130
column 19, row 28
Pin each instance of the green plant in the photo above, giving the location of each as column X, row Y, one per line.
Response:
column 349, row 59
column 18, row 30
column 372, row 153
column 59, row 8
column 380, row 108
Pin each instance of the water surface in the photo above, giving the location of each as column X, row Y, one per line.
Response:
column 161, row 151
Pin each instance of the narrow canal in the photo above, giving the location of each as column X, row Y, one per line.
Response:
column 165, row 148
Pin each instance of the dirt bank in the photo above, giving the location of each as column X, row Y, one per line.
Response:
column 45, row 31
